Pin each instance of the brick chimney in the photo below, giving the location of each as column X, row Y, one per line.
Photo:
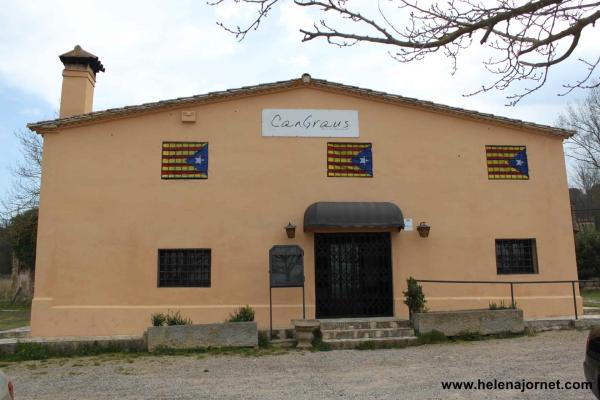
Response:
column 79, row 79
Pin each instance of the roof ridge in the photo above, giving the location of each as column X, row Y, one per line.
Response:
column 305, row 81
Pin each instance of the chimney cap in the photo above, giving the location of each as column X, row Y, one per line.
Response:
column 82, row 57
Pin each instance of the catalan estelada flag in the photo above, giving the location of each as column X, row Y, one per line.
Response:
column 184, row 160
column 349, row 159
column 507, row 162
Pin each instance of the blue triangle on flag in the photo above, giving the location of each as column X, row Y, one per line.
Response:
column 199, row 159
column 519, row 162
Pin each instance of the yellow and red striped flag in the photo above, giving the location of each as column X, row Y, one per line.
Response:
column 349, row 159
column 184, row 160
column 507, row 162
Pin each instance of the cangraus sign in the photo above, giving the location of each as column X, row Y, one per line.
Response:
column 309, row 123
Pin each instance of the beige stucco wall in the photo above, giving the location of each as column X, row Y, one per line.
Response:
column 105, row 211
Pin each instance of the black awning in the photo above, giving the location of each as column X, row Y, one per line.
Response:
column 353, row 215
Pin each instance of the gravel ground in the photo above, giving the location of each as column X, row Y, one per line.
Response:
column 412, row 373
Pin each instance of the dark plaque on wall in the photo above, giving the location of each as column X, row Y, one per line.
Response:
column 286, row 266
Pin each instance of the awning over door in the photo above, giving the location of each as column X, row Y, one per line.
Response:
column 353, row 215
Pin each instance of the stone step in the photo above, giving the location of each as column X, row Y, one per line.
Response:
column 591, row 310
column 15, row 333
column 356, row 323
column 367, row 333
column 377, row 343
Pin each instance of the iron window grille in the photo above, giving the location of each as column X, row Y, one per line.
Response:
column 516, row 256
column 184, row 267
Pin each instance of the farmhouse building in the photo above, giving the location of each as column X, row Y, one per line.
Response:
column 177, row 205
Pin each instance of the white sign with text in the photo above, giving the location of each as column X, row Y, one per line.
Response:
column 309, row 123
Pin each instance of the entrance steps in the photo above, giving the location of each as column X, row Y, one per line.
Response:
column 350, row 333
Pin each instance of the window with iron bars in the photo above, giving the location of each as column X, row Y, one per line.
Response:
column 516, row 256
column 184, row 268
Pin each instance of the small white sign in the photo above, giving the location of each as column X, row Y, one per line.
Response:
column 408, row 225
column 309, row 123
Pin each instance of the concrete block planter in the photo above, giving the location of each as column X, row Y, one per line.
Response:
column 485, row 322
column 228, row 334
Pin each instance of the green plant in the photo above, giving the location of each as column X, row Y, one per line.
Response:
column 158, row 319
column 243, row 314
column 366, row 346
column 587, row 250
column 432, row 337
column 317, row 343
column 31, row 351
column 176, row 319
column 414, row 297
column 263, row 340
column 501, row 306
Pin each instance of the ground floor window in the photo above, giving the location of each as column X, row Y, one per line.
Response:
column 184, row 268
column 516, row 256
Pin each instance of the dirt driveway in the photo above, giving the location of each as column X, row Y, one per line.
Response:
column 413, row 373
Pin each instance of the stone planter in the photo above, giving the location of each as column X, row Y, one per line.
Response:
column 228, row 334
column 485, row 322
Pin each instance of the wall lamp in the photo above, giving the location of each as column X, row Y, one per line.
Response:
column 423, row 229
column 290, row 230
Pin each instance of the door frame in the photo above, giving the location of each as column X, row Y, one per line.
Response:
column 390, row 283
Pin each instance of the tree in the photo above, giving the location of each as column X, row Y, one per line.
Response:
column 5, row 250
column 22, row 233
column 584, row 118
column 587, row 248
column 526, row 39
column 25, row 192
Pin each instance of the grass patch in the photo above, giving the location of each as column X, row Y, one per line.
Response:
column 435, row 337
column 14, row 315
column 432, row 337
column 317, row 343
column 591, row 297
column 36, row 351
column 219, row 351
column 263, row 340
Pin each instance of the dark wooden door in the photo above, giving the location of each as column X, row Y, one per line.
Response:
column 353, row 275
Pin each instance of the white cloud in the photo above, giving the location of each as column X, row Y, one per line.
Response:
column 154, row 50
column 150, row 51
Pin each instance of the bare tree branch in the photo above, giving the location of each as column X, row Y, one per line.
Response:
column 27, row 172
column 527, row 38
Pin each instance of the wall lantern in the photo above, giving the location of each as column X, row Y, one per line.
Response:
column 290, row 230
column 423, row 229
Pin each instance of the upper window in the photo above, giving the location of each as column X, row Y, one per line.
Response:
column 516, row 256
column 184, row 268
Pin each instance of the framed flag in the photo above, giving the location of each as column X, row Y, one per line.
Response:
column 507, row 162
column 184, row 160
column 350, row 160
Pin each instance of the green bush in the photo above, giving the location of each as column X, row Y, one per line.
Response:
column 175, row 318
column 158, row 319
column 414, row 297
column 587, row 248
column 317, row 343
column 263, row 340
column 243, row 314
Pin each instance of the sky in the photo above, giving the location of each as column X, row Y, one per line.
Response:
column 157, row 50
